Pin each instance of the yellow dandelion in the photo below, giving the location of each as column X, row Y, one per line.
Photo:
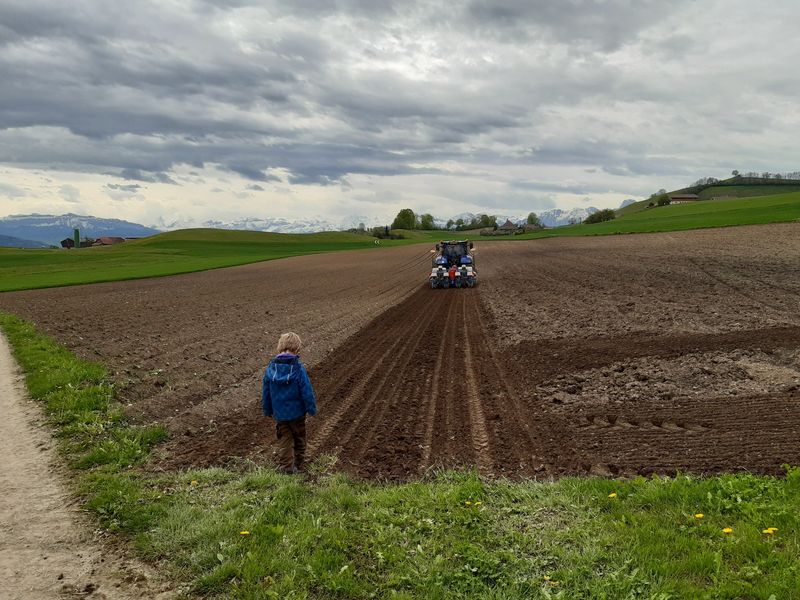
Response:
column 193, row 483
column 546, row 577
column 478, row 503
column 612, row 495
column 244, row 533
column 772, row 529
column 727, row 530
column 699, row 516
column 768, row 531
column 468, row 503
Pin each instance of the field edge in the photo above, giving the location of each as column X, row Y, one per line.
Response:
column 251, row 532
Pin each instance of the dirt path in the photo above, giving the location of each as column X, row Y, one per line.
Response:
column 46, row 549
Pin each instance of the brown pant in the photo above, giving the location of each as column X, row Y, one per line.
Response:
column 291, row 444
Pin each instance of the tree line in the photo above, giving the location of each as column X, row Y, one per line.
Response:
column 408, row 219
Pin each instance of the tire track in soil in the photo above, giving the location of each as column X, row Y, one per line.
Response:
column 423, row 407
column 437, row 392
column 346, row 386
column 480, row 435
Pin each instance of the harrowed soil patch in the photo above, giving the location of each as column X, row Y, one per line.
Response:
column 626, row 355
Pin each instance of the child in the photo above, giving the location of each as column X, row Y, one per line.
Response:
column 287, row 396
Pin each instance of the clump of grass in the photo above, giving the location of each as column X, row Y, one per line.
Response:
column 79, row 403
column 255, row 533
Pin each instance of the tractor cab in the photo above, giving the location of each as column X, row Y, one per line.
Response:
column 453, row 265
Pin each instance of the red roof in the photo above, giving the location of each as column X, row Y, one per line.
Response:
column 110, row 241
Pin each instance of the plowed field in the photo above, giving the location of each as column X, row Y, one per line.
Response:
column 613, row 355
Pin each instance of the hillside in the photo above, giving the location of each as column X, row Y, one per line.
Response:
column 733, row 187
column 170, row 253
column 777, row 208
column 9, row 241
column 745, row 191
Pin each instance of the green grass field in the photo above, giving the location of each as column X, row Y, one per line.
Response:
column 777, row 208
column 200, row 249
column 746, row 191
column 723, row 191
column 165, row 254
column 251, row 533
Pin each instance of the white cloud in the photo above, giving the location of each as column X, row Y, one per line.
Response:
column 69, row 193
column 353, row 107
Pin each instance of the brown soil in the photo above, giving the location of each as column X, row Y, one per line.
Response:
column 611, row 355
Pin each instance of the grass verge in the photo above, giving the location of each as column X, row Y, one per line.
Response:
column 254, row 533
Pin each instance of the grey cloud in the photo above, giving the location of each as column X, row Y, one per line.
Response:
column 601, row 25
column 11, row 191
column 254, row 173
column 555, row 187
column 138, row 175
column 324, row 89
column 130, row 188
column 255, row 187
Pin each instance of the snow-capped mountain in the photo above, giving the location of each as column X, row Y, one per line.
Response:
column 275, row 225
column 556, row 217
column 51, row 229
column 278, row 224
column 627, row 202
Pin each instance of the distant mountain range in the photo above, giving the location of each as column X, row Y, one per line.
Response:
column 51, row 229
column 9, row 241
column 554, row 217
column 32, row 231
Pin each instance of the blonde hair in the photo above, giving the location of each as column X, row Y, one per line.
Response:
column 289, row 342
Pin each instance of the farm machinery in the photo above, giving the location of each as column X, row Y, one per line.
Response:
column 453, row 265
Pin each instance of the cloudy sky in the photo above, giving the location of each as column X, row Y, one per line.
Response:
column 201, row 109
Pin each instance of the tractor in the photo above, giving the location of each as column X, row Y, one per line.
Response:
column 453, row 265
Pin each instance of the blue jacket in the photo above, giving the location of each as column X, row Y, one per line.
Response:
column 286, row 392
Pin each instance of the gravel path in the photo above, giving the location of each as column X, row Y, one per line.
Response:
column 46, row 548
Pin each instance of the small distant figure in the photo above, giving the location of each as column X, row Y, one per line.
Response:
column 287, row 396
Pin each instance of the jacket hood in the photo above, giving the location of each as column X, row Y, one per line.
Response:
column 284, row 368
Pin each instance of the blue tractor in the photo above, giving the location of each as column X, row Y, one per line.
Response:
column 453, row 265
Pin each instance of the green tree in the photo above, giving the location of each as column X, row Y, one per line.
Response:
column 485, row 221
column 405, row 219
column 426, row 221
column 607, row 214
column 533, row 220
column 663, row 199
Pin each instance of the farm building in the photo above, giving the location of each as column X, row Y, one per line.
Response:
column 508, row 226
column 108, row 241
column 683, row 198
column 85, row 243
